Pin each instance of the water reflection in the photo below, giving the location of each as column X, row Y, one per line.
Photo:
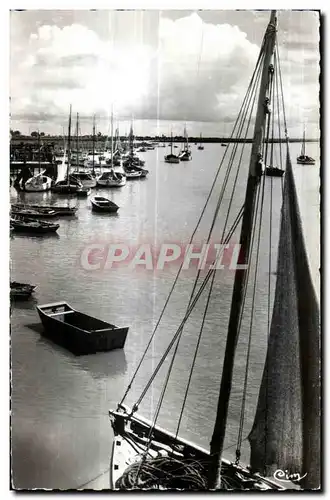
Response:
column 35, row 236
column 29, row 303
column 102, row 365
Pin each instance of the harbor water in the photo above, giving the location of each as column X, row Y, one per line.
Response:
column 61, row 435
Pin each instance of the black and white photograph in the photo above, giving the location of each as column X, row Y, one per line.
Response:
column 164, row 210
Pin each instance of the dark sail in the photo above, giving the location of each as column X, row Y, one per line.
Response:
column 286, row 430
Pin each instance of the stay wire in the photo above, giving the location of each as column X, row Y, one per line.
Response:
column 265, row 154
column 210, row 272
column 236, row 222
column 177, row 333
column 192, row 236
column 224, row 229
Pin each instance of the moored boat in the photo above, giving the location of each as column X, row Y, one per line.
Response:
column 85, row 178
column 171, row 157
column 59, row 209
column 200, row 146
column 132, row 172
column 304, row 159
column 274, row 172
column 78, row 332
column 111, row 179
column 37, row 184
column 21, row 291
column 33, row 226
column 83, row 192
column 67, row 187
column 45, row 213
column 101, row 204
column 185, row 154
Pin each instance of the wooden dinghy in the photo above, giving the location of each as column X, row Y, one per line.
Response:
column 78, row 332
column 274, row 172
column 60, row 210
column 100, row 204
column 33, row 226
column 34, row 213
column 83, row 192
column 21, row 291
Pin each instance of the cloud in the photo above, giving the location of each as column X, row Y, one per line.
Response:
column 193, row 71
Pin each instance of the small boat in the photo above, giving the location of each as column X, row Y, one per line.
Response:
column 223, row 145
column 65, row 187
column 79, row 332
column 83, row 192
column 86, row 179
column 132, row 172
column 171, row 158
column 69, row 184
column 111, row 179
column 185, row 154
column 36, row 184
column 60, row 210
column 303, row 159
column 33, row 213
column 33, row 226
column 200, row 146
column 21, row 291
column 274, row 172
column 100, row 204
column 133, row 161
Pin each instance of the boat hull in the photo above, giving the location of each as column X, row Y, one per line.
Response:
column 274, row 172
column 60, row 210
column 79, row 333
column 33, row 186
column 305, row 162
column 21, row 291
column 99, row 209
column 33, row 227
column 111, row 184
column 131, row 433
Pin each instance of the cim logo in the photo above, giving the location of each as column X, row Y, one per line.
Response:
column 100, row 256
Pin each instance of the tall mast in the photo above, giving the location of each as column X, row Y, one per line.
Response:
column 39, row 148
column 112, row 138
column 93, row 145
column 303, row 149
column 77, row 142
column 69, row 147
column 171, row 142
column 217, row 442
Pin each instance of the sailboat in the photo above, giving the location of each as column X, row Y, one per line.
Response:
column 200, row 146
column 285, row 435
column 171, row 158
column 69, row 185
column 111, row 178
column 132, row 163
column 303, row 159
column 86, row 179
column 185, row 154
column 38, row 183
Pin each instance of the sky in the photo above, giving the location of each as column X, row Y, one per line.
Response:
column 160, row 68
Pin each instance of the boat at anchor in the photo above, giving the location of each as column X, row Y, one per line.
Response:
column 79, row 332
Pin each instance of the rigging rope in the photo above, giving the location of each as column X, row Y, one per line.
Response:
column 246, row 97
column 222, row 237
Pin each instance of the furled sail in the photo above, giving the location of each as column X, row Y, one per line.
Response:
column 286, row 432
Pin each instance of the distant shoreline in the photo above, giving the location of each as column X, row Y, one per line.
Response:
column 16, row 140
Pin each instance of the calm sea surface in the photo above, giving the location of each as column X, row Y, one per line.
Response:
column 61, row 435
